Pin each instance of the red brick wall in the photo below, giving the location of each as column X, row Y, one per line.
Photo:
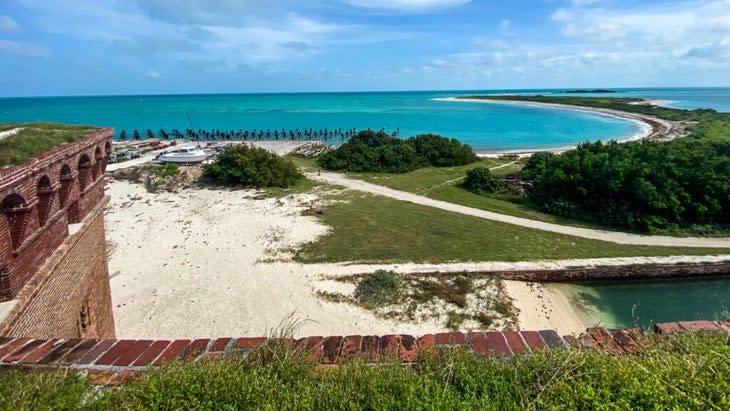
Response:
column 60, row 282
column 20, row 259
column 74, row 283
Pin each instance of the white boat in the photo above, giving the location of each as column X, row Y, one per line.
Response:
column 183, row 155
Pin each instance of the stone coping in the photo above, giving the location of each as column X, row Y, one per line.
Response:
column 110, row 362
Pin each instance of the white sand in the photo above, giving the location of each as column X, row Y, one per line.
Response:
column 9, row 133
column 190, row 265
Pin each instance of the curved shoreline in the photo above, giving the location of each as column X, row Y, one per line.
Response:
column 652, row 128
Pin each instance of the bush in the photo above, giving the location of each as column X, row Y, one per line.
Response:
column 481, row 181
column 244, row 166
column 370, row 151
column 379, row 288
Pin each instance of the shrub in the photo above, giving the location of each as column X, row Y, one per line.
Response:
column 442, row 152
column 480, row 180
column 379, row 288
column 370, row 151
column 244, row 166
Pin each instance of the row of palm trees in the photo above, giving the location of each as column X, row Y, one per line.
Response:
column 246, row 135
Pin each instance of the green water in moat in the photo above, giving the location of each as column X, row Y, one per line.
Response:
column 645, row 302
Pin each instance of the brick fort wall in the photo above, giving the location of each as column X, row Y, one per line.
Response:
column 53, row 262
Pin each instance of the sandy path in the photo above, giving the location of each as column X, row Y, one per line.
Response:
column 593, row 234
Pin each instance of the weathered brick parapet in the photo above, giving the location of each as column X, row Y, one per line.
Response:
column 112, row 361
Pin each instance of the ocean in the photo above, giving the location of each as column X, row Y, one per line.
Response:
column 487, row 127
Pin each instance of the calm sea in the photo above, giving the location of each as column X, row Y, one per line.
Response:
column 487, row 127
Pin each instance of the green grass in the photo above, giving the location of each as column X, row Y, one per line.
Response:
column 35, row 138
column 368, row 228
column 444, row 184
column 695, row 375
column 302, row 185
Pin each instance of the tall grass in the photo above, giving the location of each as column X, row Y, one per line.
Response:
column 693, row 375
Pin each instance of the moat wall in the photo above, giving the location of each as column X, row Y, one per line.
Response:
column 619, row 272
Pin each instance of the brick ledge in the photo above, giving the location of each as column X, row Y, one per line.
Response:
column 110, row 362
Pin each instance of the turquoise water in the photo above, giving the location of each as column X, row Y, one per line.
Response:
column 485, row 126
column 642, row 303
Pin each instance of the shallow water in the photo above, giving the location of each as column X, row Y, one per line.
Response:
column 643, row 303
column 487, row 127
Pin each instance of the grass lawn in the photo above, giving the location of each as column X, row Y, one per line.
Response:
column 694, row 375
column 35, row 138
column 443, row 184
column 368, row 228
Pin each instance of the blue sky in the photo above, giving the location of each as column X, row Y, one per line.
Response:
column 84, row 47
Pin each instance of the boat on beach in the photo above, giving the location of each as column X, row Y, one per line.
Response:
column 189, row 154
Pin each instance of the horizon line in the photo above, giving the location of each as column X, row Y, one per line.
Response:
column 358, row 92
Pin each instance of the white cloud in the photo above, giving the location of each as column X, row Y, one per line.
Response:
column 152, row 74
column 505, row 23
column 8, row 24
column 406, row 5
column 18, row 48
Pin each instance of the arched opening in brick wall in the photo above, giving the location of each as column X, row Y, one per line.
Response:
column 44, row 191
column 67, row 179
column 84, row 169
column 107, row 154
column 14, row 208
column 98, row 160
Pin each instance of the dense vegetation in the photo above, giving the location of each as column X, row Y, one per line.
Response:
column 379, row 152
column 244, row 166
column 682, row 185
column 645, row 186
column 693, row 375
column 481, row 181
column 35, row 138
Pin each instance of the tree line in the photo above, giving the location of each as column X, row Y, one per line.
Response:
column 370, row 151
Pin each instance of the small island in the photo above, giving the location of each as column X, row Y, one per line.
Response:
column 590, row 91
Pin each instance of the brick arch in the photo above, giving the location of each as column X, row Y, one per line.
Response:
column 15, row 208
column 98, row 161
column 44, row 192
column 84, row 170
column 66, row 177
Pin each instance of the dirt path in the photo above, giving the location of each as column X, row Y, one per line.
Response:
column 593, row 234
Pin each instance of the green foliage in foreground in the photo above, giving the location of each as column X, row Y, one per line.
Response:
column 379, row 288
column 378, row 152
column 374, row 229
column 257, row 167
column 35, row 138
column 693, row 376
column 481, row 181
